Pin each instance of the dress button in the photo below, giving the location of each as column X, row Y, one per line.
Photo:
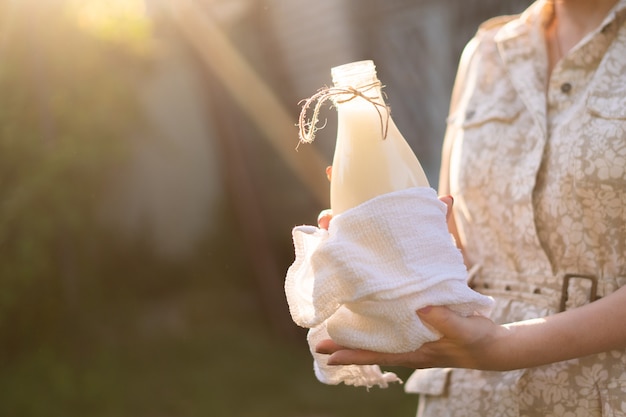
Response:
column 566, row 87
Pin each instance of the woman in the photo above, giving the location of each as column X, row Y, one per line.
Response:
column 535, row 157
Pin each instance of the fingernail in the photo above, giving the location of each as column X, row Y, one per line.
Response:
column 332, row 362
column 321, row 350
column 425, row 310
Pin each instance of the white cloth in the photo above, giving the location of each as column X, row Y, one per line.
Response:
column 363, row 279
column 357, row 375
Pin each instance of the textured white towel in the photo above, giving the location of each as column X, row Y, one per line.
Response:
column 363, row 279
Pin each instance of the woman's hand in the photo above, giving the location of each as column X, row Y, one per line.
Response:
column 323, row 220
column 476, row 342
column 467, row 342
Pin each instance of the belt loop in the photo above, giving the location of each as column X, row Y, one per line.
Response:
column 593, row 291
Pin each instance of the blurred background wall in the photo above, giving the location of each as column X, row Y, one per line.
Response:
column 149, row 182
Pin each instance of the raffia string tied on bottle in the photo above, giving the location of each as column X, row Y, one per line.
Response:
column 307, row 128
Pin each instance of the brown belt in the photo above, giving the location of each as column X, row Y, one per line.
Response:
column 593, row 290
column 586, row 288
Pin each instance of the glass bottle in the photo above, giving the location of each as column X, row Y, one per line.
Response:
column 371, row 156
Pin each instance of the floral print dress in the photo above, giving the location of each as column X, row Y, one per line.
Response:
column 537, row 167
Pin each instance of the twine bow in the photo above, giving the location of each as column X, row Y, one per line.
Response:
column 308, row 128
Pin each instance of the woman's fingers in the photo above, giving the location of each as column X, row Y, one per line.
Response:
column 441, row 319
column 362, row 357
column 323, row 220
column 327, row 347
column 462, row 344
column 448, row 200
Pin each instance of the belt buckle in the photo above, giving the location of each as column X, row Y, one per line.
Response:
column 593, row 291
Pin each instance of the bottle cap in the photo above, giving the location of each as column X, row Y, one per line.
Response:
column 354, row 73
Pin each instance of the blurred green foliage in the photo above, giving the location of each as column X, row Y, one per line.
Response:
column 67, row 109
column 222, row 363
column 90, row 326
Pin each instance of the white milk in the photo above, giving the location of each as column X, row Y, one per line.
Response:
column 365, row 163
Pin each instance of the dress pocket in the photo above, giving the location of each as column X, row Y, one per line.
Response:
column 595, row 142
column 466, row 393
column 609, row 102
column 428, row 381
column 599, row 153
column 479, row 112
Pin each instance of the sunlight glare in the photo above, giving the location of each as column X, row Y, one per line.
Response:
column 120, row 21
